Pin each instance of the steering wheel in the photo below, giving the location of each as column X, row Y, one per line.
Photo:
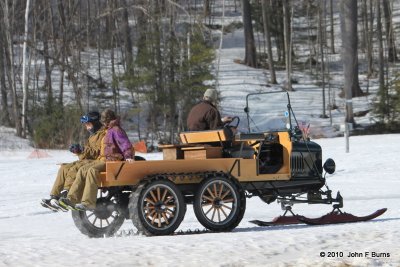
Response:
column 231, row 124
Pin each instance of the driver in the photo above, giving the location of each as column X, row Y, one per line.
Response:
column 205, row 115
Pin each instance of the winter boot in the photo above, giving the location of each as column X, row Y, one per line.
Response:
column 50, row 203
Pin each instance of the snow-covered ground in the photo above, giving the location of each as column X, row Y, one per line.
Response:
column 367, row 177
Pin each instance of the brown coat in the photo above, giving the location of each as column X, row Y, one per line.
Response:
column 93, row 145
column 204, row 116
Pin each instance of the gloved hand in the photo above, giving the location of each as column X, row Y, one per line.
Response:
column 76, row 148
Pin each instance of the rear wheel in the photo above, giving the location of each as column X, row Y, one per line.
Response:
column 157, row 207
column 105, row 220
column 219, row 204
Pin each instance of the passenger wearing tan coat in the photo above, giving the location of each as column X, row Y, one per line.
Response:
column 67, row 172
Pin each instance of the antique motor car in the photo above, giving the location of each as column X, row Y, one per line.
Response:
column 270, row 157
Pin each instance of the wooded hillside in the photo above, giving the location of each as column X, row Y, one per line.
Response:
column 152, row 60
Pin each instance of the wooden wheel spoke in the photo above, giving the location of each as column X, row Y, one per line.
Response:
column 154, row 196
column 158, row 193
column 151, row 213
column 90, row 215
column 226, row 216
column 208, row 198
column 229, row 200
column 108, row 223
column 220, row 190
column 215, row 189
column 170, row 206
column 213, row 214
column 212, row 207
column 225, row 206
column 209, row 191
column 149, row 209
column 169, row 198
column 164, row 195
column 170, row 202
column 153, row 218
column 101, row 223
column 219, row 214
column 165, row 218
column 159, row 220
column 225, row 194
column 206, row 204
column 95, row 220
column 150, row 201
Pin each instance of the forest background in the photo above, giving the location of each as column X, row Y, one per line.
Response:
column 152, row 60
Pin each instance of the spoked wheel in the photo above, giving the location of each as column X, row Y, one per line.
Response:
column 157, row 208
column 219, row 204
column 105, row 220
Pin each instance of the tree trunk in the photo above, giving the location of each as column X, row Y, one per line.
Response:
column 24, row 63
column 321, row 47
column 4, row 114
column 10, row 63
column 267, row 22
column 206, row 8
column 127, row 38
column 288, row 55
column 368, row 38
column 348, row 26
column 250, row 48
column 392, row 55
column 380, row 45
column 332, row 31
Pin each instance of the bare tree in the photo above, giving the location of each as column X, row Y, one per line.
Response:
column 380, row 45
column 24, row 63
column 8, row 30
column 348, row 26
column 332, row 31
column 267, row 22
column 321, row 47
column 367, row 36
column 287, row 40
column 250, row 47
column 5, row 115
column 392, row 55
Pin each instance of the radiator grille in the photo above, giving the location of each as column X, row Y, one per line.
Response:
column 297, row 164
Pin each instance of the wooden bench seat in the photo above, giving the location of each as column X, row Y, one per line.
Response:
column 204, row 136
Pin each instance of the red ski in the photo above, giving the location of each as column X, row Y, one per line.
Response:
column 337, row 216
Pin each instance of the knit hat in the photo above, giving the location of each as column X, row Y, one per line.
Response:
column 211, row 94
column 107, row 116
column 92, row 116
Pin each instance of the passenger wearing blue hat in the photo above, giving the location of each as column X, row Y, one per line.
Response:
column 67, row 172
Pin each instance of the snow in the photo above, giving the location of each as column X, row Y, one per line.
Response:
column 366, row 177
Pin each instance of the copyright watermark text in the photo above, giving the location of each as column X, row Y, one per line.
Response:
column 354, row 254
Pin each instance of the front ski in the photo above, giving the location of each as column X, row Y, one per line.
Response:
column 337, row 216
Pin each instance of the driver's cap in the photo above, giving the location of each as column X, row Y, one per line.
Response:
column 211, row 94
